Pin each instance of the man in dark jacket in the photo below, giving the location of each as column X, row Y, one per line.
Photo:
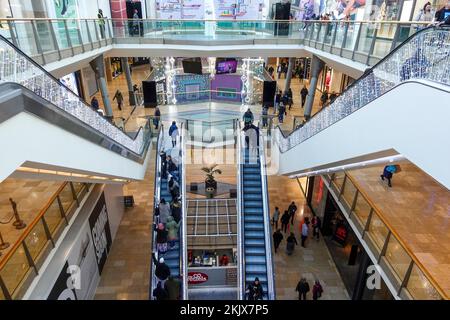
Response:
column 292, row 210
column 172, row 287
column 162, row 270
column 255, row 290
column 159, row 292
column 302, row 289
column 285, row 221
column 304, row 94
column 277, row 237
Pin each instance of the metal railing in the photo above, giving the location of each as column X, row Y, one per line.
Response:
column 411, row 278
column 239, row 209
column 425, row 55
column 50, row 40
column 21, row 264
column 183, row 236
column 267, row 228
column 232, row 97
column 17, row 67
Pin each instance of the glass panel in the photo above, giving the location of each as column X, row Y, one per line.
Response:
column 36, row 240
column 377, row 231
column 329, row 30
column 84, row 31
column 349, row 192
column 338, row 180
column 93, row 30
column 340, row 32
column 45, row 35
column 72, row 26
column 15, row 269
column 25, row 37
column 362, row 210
column 397, row 257
column 420, row 287
column 352, row 34
column 53, row 216
column 66, row 197
column 60, row 33
column 78, row 186
column 366, row 37
column 303, row 183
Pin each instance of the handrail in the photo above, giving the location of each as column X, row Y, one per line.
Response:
column 266, row 210
column 156, row 198
column 340, row 99
column 31, row 225
column 183, row 237
column 240, row 228
column 386, row 222
column 112, row 135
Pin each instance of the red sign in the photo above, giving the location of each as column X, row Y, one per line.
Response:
column 197, row 277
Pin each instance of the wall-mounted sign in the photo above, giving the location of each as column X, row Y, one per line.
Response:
column 62, row 289
column 197, row 277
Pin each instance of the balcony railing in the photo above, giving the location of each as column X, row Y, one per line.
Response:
column 22, row 262
column 424, row 56
column 411, row 279
column 49, row 40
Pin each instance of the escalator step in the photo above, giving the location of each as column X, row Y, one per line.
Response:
column 256, row 269
column 254, row 243
column 252, row 190
column 252, row 204
column 251, row 259
column 252, row 196
column 252, row 183
column 254, row 226
column 255, row 251
column 254, row 235
column 253, row 210
column 262, row 279
column 253, row 218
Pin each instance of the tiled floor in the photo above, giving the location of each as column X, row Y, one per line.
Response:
column 313, row 262
column 418, row 209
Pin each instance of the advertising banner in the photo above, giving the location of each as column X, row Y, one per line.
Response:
column 169, row 9
column 62, row 289
column 193, row 9
column 238, row 9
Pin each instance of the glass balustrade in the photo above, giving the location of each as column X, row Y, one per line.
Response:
column 21, row 263
column 412, row 280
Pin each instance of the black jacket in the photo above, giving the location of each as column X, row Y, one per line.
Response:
column 304, row 92
column 162, row 270
column 285, row 218
column 277, row 237
column 160, row 293
column 302, row 287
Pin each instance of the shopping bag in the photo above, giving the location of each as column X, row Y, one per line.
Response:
column 397, row 168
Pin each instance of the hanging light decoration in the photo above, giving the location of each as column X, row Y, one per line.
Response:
column 170, row 80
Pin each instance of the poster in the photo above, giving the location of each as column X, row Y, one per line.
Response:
column 62, row 290
column 238, row 9
column 67, row 9
column 169, row 9
column 101, row 232
column 193, row 9
column 306, row 10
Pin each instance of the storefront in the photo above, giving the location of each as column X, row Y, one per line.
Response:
column 333, row 80
column 73, row 82
column 348, row 254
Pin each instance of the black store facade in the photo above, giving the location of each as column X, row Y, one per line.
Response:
column 350, row 257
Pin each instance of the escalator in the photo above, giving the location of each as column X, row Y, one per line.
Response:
column 255, row 230
column 62, row 133
column 395, row 109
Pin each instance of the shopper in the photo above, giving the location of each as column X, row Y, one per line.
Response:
column 317, row 290
column 277, row 238
column 248, row 117
column 324, row 98
column 281, row 112
column 135, row 22
column 172, row 229
column 160, row 293
column 279, row 70
column 174, row 188
column 291, row 242
column 173, row 287
column 292, row 209
column 172, row 168
column 388, row 172
column 277, row 102
column 304, row 94
column 333, row 96
column 119, row 98
column 95, row 104
column 255, row 290
column 302, row 289
column 424, row 15
column 163, row 157
column 271, row 70
column 224, row 260
column 264, row 114
column 285, row 221
column 156, row 117
column 443, row 14
column 101, row 23
column 176, row 210
column 290, row 98
column 305, row 229
column 161, row 238
column 162, row 270
column 164, row 211
column 316, row 225
column 276, row 217
column 173, row 133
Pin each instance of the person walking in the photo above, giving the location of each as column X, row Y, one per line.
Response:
column 101, row 23
column 162, row 270
column 302, row 289
column 255, row 290
column 156, row 117
column 119, row 98
column 324, row 98
column 279, row 70
column 277, row 102
column 281, row 112
column 264, row 114
column 317, row 290
column 291, row 242
column 285, row 221
column 304, row 94
column 277, row 238
column 276, row 217
column 305, row 229
column 316, row 225
column 135, row 22
column 173, row 133
column 172, row 229
column 164, row 211
column 173, row 287
column 292, row 209
column 95, row 104
column 388, row 172
column 333, row 96
column 248, row 117
column 160, row 293
column 290, row 98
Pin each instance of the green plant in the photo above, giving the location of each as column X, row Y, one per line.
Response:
column 211, row 171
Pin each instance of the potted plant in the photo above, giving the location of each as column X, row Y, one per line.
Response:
column 210, row 182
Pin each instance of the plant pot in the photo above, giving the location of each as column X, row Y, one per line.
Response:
column 211, row 184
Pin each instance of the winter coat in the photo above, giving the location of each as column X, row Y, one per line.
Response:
column 172, row 287
column 172, row 228
column 164, row 212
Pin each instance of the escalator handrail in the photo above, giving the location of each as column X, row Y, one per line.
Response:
column 183, row 236
column 367, row 73
column 266, row 213
column 48, row 74
column 240, row 202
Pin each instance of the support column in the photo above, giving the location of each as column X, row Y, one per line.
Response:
column 131, row 95
column 98, row 65
column 287, row 83
column 317, row 66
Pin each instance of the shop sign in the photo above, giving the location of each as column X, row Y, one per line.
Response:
column 197, row 277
